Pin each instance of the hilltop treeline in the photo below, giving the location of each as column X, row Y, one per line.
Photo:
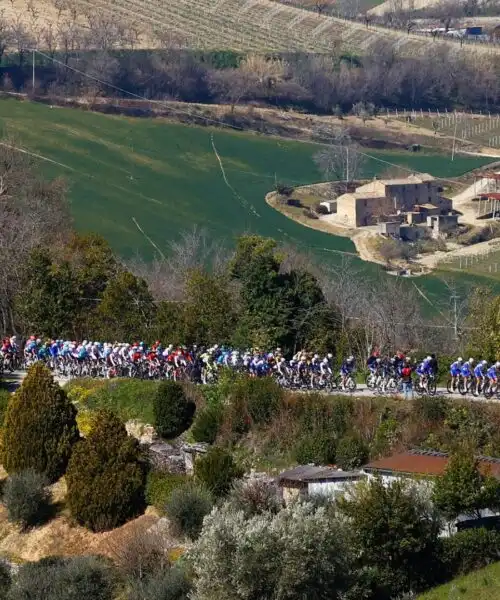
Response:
column 324, row 84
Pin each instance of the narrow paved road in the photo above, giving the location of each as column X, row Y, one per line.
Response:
column 14, row 380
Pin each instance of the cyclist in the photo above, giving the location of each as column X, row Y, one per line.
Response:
column 492, row 375
column 467, row 372
column 479, row 374
column 325, row 368
column 424, row 371
column 455, row 371
column 347, row 369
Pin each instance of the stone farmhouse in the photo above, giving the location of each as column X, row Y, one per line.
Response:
column 417, row 196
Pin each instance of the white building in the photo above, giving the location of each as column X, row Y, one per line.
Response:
column 308, row 480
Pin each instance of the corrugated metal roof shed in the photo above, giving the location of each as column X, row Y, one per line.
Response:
column 309, row 473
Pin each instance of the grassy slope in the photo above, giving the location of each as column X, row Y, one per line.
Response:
column 167, row 176
column 480, row 585
column 129, row 398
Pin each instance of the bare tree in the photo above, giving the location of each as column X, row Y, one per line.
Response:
column 32, row 212
column 22, row 37
column 140, row 552
column 340, row 158
column 167, row 275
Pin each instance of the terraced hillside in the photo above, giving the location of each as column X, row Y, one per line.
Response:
column 259, row 25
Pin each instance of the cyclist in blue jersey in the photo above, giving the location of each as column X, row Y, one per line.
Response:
column 479, row 372
column 492, row 375
column 455, row 370
column 424, row 370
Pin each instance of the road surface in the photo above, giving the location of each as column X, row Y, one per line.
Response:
column 14, row 380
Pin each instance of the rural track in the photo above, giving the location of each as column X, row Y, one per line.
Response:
column 15, row 379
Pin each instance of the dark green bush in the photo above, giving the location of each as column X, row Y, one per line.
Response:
column 63, row 579
column 207, row 424
column 469, row 550
column 26, row 498
column 262, row 396
column 172, row 410
column 351, row 453
column 186, row 509
column 106, row 476
column 5, row 396
column 217, row 471
column 40, row 426
column 5, row 580
column 431, row 409
column 172, row 584
column 318, row 448
column 160, row 486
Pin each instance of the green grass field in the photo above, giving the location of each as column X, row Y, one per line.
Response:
column 168, row 177
column 487, row 265
column 480, row 130
column 479, row 585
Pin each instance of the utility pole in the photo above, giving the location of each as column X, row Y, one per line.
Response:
column 454, row 141
column 347, row 164
column 33, row 80
column 455, row 318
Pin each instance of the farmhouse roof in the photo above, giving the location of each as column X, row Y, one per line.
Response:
column 380, row 184
column 425, row 462
column 427, row 206
column 308, row 474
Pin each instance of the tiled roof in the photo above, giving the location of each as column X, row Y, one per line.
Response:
column 426, row 462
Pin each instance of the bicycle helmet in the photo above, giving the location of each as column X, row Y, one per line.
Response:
column 329, row 355
column 484, row 362
column 471, row 361
column 460, row 359
column 350, row 359
column 497, row 364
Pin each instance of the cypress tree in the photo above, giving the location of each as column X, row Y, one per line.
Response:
column 106, row 477
column 40, row 426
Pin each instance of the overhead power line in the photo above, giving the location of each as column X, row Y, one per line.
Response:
column 211, row 120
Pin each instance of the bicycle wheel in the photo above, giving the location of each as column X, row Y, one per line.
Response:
column 487, row 390
column 431, row 387
column 351, row 384
column 449, row 386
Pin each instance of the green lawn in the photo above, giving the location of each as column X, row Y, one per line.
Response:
column 168, row 178
column 479, row 585
column 128, row 398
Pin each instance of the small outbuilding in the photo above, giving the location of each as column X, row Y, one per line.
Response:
column 389, row 228
column 330, row 205
column 441, row 224
column 309, row 480
column 410, row 233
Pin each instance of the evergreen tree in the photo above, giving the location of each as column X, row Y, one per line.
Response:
column 126, row 310
column 40, row 426
column 106, row 478
column 463, row 489
column 49, row 300
column 285, row 309
column 208, row 313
